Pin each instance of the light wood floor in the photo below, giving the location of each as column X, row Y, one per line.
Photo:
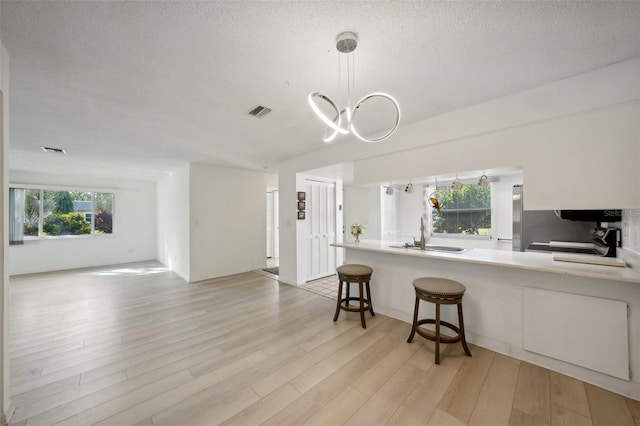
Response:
column 137, row 345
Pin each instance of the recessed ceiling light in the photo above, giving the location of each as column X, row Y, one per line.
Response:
column 53, row 150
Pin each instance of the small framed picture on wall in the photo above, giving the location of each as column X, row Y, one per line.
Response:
column 301, row 205
column 301, row 196
column 301, row 215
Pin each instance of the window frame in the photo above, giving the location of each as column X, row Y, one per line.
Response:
column 28, row 238
column 491, row 210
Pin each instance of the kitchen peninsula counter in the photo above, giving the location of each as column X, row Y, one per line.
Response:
column 541, row 262
column 501, row 314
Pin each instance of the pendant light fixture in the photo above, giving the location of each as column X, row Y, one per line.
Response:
column 343, row 120
column 456, row 185
column 483, row 182
column 409, row 188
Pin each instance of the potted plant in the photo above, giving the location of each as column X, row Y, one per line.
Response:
column 356, row 231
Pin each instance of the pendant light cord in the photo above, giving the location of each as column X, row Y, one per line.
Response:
column 348, row 83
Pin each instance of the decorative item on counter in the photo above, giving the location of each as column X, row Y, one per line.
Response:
column 356, row 231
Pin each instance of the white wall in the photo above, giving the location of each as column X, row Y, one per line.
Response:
column 134, row 228
column 173, row 221
column 557, row 132
column 389, row 206
column 227, row 220
column 4, row 263
column 362, row 205
column 558, row 158
column 410, row 210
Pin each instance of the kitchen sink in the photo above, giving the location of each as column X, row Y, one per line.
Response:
column 428, row 247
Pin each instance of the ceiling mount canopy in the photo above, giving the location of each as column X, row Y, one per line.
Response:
column 343, row 119
column 347, row 42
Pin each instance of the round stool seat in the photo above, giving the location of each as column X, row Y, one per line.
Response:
column 353, row 273
column 439, row 291
column 439, row 286
column 354, row 270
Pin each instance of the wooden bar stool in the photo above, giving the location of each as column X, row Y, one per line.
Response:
column 353, row 273
column 441, row 292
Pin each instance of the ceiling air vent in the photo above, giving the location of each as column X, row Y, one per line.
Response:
column 53, row 150
column 260, row 111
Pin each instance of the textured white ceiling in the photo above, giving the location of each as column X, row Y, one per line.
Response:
column 145, row 85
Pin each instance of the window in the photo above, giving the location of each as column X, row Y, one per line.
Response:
column 31, row 212
column 47, row 213
column 462, row 212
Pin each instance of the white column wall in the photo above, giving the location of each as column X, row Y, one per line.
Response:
column 173, row 222
column 134, row 228
column 227, row 224
column 287, row 218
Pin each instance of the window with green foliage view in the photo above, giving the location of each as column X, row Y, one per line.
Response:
column 466, row 211
column 48, row 213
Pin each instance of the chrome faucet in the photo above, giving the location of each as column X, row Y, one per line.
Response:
column 423, row 241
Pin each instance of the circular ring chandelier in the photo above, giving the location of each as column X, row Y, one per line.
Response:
column 343, row 119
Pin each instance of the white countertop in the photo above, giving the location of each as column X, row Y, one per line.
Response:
column 542, row 262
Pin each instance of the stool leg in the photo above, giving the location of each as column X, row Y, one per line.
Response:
column 335, row 317
column 415, row 321
column 348, row 291
column 437, row 333
column 364, row 325
column 369, row 299
column 461, row 325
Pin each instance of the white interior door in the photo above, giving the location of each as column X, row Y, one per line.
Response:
column 276, row 224
column 321, row 217
column 273, row 246
column 269, row 224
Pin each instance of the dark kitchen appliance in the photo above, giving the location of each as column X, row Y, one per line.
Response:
column 607, row 240
column 599, row 216
column 565, row 231
column 605, row 243
column 531, row 226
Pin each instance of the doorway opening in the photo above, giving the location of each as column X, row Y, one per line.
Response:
column 273, row 246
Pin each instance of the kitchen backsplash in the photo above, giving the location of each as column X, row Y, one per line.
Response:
column 631, row 238
column 631, row 234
